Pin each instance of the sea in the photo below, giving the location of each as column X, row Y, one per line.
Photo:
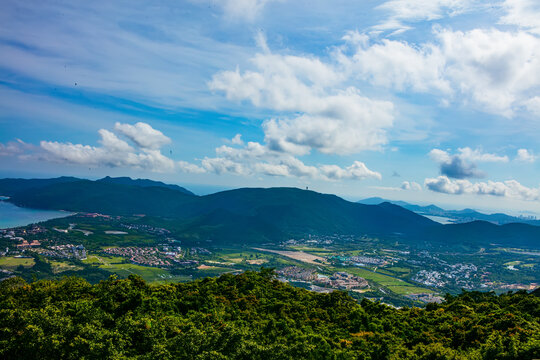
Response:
column 12, row 215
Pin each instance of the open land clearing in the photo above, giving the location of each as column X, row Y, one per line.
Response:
column 61, row 266
column 298, row 255
column 11, row 263
column 257, row 261
column 396, row 285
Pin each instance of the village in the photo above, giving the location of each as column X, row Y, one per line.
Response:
column 339, row 280
column 148, row 256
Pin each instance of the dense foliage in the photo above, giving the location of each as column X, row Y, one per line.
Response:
column 253, row 316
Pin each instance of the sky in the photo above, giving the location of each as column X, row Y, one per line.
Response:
column 427, row 101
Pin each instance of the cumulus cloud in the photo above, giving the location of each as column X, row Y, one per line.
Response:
column 237, row 140
column 318, row 110
column 525, row 155
column 522, row 13
column 143, row 135
column 143, row 152
column 13, row 148
column 116, row 152
column 411, row 185
column 358, row 170
column 255, row 158
column 509, row 188
column 533, row 105
column 461, row 165
column 405, row 11
column 467, row 153
column 495, row 71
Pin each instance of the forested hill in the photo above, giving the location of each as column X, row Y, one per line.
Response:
column 254, row 215
column 143, row 183
column 11, row 187
column 273, row 213
column 253, row 316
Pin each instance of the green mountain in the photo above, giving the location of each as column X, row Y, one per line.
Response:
column 269, row 214
column 458, row 216
column 10, row 187
column 481, row 233
column 143, row 183
column 103, row 197
column 254, row 215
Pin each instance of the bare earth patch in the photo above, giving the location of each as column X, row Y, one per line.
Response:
column 257, row 261
column 298, row 255
column 205, row 267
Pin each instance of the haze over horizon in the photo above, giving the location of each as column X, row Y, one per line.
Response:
column 422, row 101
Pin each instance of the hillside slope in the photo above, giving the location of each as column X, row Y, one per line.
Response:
column 143, row 183
column 251, row 215
column 252, row 316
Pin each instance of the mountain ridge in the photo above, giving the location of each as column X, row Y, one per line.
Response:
column 464, row 215
column 266, row 214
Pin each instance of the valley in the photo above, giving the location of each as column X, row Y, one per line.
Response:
column 96, row 246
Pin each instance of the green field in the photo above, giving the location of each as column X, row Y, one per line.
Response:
column 396, row 285
column 149, row 274
column 11, row 263
column 104, row 260
column 408, row 289
column 61, row 266
column 397, row 269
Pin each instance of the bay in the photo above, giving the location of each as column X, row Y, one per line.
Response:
column 12, row 215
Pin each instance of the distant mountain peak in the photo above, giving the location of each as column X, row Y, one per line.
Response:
column 124, row 180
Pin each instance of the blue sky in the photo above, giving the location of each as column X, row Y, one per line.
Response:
column 429, row 101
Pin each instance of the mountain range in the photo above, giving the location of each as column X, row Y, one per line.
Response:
column 454, row 216
column 255, row 215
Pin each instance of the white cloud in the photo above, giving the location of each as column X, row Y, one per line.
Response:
column 525, row 155
column 223, row 165
column 509, row 188
column 143, row 135
column 533, row 105
column 244, row 9
column 357, row 171
column 255, row 158
column 250, row 159
column 237, row 140
column 319, row 111
column 523, row 13
column 495, row 71
column 187, row 167
column 13, row 148
column 398, row 65
column 411, row 185
column 115, row 152
column 467, row 153
column 406, row 11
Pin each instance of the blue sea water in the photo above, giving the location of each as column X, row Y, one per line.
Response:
column 12, row 215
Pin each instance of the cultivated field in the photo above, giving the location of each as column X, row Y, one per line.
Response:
column 11, row 263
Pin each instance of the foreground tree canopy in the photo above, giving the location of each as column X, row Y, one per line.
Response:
column 253, row 316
